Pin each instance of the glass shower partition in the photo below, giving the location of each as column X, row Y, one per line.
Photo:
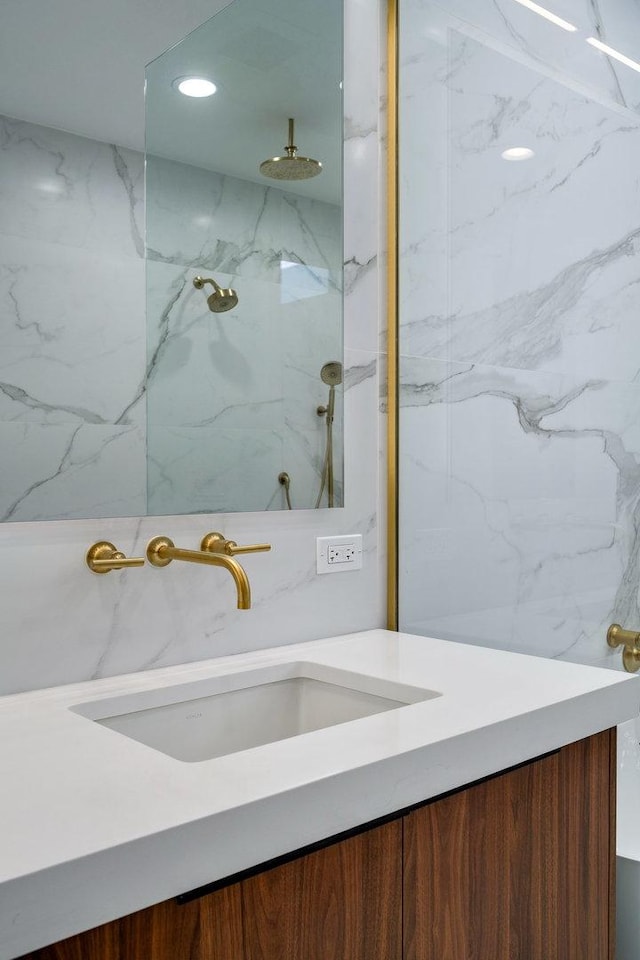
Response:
column 519, row 323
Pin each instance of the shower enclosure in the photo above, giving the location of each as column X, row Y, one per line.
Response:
column 519, row 325
column 244, row 262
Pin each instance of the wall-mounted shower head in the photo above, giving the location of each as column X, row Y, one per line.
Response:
column 331, row 373
column 291, row 167
column 222, row 298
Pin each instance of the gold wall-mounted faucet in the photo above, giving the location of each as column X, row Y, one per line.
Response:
column 216, row 551
column 103, row 557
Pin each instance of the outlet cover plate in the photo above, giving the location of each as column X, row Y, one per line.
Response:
column 339, row 554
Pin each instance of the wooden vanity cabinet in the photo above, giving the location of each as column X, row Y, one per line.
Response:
column 517, row 867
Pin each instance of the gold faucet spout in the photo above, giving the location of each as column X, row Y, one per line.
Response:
column 161, row 551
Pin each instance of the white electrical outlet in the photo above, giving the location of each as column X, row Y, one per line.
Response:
column 339, row 554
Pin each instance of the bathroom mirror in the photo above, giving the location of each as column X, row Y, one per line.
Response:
column 125, row 389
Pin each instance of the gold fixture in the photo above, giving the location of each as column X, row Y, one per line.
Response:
column 218, row 543
column 392, row 315
column 285, row 481
column 222, row 298
column 617, row 637
column 331, row 374
column 102, row 557
column 291, row 167
column 215, row 551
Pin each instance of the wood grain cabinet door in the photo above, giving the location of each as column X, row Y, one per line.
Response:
column 340, row 903
column 209, row 928
column 516, row 868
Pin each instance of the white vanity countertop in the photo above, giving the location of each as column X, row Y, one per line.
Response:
column 94, row 825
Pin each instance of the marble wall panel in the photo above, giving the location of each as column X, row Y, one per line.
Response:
column 200, row 218
column 531, row 263
column 71, row 211
column 250, row 375
column 60, row 188
column 71, row 326
column 213, row 468
column 507, row 25
column 520, row 451
column 71, row 470
column 69, row 317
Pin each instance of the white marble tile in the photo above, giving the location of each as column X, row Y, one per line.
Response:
column 65, row 189
column 150, row 617
column 565, row 630
column 70, row 470
column 206, row 469
column 518, row 503
column 199, row 218
column 205, row 367
column 249, row 375
column 531, row 264
column 510, row 26
column 68, row 319
column 520, row 450
column 362, row 173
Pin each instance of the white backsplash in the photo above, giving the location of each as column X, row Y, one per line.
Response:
column 58, row 622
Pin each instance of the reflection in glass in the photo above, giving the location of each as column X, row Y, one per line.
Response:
column 234, row 381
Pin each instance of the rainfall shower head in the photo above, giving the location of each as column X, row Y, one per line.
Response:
column 291, row 167
column 331, row 373
column 222, row 299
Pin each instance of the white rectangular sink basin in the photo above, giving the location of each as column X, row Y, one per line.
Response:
column 232, row 712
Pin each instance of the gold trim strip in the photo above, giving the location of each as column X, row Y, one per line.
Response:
column 392, row 315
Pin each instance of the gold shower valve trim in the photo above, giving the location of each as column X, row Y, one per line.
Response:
column 103, row 557
column 630, row 639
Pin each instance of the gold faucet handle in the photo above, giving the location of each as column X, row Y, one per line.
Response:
column 102, row 557
column 218, row 543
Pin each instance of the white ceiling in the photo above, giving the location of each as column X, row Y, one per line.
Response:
column 79, row 65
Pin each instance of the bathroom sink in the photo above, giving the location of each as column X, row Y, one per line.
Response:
column 232, row 712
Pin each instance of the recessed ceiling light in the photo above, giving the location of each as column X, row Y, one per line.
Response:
column 551, row 17
column 195, row 86
column 599, row 45
column 517, row 153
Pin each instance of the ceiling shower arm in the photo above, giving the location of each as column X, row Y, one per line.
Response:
column 291, row 147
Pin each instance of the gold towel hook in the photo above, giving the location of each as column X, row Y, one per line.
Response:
column 630, row 639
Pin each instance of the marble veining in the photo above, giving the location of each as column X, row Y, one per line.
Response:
column 520, row 499
column 151, row 618
column 59, row 352
column 250, row 379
